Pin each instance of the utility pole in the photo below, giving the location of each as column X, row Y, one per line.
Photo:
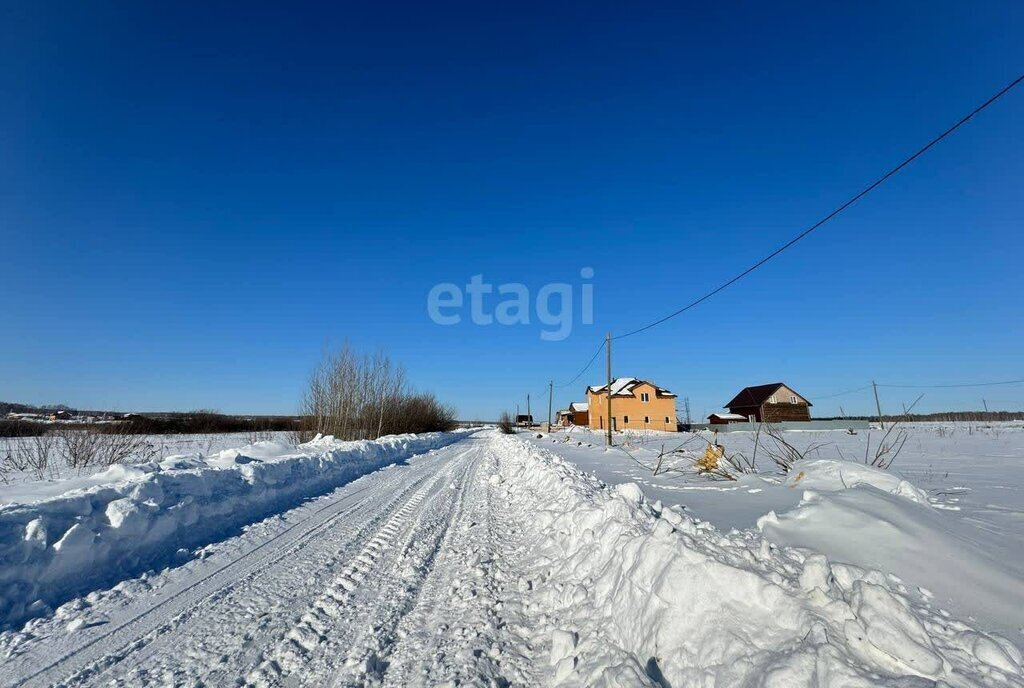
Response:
column 985, row 404
column 878, row 406
column 686, row 403
column 608, row 390
column 551, row 393
column 529, row 418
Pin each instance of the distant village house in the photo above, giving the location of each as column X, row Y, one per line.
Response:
column 773, row 403
column 636, row 405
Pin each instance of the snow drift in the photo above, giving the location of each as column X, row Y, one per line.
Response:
column 640, row 595
column 855, row 513
column 142, row 514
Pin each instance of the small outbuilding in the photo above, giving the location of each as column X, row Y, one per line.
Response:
column 580, row 412
column 577, row 414
column 726, row 418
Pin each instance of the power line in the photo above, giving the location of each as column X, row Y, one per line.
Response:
column 878, row 182
column 969, row 384
column 582, row 371
column 585, row 368
column 839, row 394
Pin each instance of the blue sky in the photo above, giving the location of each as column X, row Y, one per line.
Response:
column 195, row 201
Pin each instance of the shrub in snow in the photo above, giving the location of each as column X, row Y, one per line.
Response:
column 506, row 425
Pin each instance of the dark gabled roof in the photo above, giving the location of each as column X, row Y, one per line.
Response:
column 758, row 394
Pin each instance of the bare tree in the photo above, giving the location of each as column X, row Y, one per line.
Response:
column 353, row 396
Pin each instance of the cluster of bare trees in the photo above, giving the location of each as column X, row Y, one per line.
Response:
column 356, row 396
column 45, row 455
column 507, row 424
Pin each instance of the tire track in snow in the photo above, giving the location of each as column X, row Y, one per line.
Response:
column 263, row 612
column 351, row 622
column 79, row 657
column 464, row 628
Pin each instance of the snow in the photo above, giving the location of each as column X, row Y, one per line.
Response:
column 132, row 517
column 23, row 487
column 497, row 560
column 889, row 524
column 618, row 385
column 579, row 406
column 727, row 416
column 651, row 592
column 945, row 518
column 623, row 386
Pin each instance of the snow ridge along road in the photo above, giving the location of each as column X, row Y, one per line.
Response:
column 137, row 517
column 494, row 562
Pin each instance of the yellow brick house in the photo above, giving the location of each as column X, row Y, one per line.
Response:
column 636, row 405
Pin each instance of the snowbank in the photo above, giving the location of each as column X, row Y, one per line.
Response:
column 141, row 514
column 858, row 514
column 831, row 475
column 640, row 595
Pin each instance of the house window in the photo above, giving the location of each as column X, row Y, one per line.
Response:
column 772, row 400
column 666, row 420
column 647, row 420
column 645, row 397
column 625, row 420
column 792, row 400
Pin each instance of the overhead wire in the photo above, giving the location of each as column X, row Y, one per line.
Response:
column 871, row 187
column 968, row 384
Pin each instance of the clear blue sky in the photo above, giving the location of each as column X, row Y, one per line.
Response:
column 194, row 201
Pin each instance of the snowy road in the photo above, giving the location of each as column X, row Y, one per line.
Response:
column 366, row 584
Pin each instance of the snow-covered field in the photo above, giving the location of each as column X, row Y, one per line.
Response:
column 960, row 540
column 471, row 559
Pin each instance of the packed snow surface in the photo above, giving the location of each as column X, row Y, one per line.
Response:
column 495, row 561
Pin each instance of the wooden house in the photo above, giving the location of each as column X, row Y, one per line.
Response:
column 773, row 403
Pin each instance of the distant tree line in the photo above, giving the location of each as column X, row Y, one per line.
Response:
column 186, row 423
column 13, row 407
column 947, row 416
